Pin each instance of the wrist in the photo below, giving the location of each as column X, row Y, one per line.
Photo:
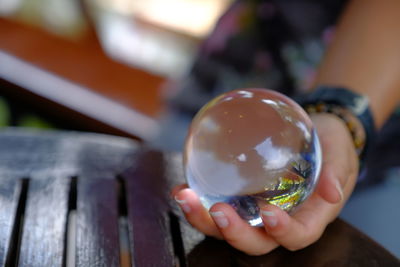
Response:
column 352, row 108
column 331, row 129
column 327, row 122
column 352, row 124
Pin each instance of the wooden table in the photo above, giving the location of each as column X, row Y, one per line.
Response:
column 79, row 199
column 77, row 83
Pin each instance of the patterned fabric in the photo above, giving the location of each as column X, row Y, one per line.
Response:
column 264, row 43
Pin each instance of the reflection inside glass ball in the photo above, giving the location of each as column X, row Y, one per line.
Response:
column 249, row 148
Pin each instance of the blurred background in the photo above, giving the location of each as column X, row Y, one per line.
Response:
column 141, row 69
column 97, row 65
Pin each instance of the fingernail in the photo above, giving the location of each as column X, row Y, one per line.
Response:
column 220, row 219
column 339, row 189
column 183, row 204
column 270, row 218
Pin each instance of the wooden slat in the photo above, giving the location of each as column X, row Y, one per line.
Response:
column 44, row 223
column 151, row 242
column 199, row 251
column 9, row 194
column 97, row 223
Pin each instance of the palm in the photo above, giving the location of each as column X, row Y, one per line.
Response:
column 339, row 171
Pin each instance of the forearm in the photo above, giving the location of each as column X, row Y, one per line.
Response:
column 365, row 54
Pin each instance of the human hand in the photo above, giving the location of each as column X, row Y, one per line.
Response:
column 337, row 179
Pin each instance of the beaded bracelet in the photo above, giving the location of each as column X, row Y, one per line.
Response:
column 354, row 125
column 351, row 107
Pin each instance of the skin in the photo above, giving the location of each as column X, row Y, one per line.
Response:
column 364, row 57
column 308, row 223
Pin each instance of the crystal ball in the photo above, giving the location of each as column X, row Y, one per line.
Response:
column 249, row 148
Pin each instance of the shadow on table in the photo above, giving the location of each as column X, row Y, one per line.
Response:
column 341, row 245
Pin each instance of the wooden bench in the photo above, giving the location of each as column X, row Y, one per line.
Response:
column 81, row 199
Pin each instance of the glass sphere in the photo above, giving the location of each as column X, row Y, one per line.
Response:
column 249, row 148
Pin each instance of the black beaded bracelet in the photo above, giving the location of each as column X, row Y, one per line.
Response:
column 349, row 106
